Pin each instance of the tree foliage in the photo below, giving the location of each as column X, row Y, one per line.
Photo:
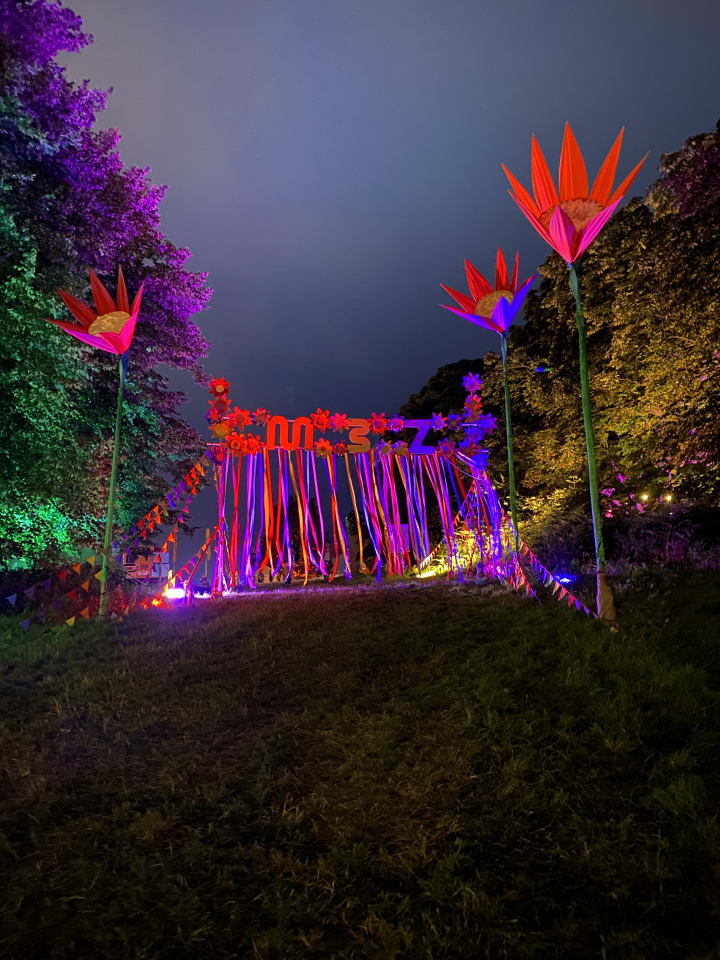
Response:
column 67, row 203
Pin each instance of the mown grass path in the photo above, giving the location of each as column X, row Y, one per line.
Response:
column 421, row 771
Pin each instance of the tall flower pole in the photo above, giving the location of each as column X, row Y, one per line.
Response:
column 495, row 308
column 509, row 441
column 122, row 370
column 110, row 327
column 569, row 223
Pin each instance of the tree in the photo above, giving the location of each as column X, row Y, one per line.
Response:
column 67, row 203
column 652, row 306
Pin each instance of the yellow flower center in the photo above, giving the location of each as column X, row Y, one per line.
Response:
column 485, row 306
column 109, row 322
column 580, row 211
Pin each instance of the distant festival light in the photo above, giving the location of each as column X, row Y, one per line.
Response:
column 175, row 593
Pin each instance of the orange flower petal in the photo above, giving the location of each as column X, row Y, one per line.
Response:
column 122, row 295
column 501, row 274
column 532, row 218
column 623, row 188
column 543, row 186
column 602, row 186
column 114, row 341
column 513, row 282
column 573, row 180
column 68, row 327
column 477, row 284
column 80, row 333
column 78, row 309
column 465, row 302
column 104, row 303
column 521, row 192
column 135, row 308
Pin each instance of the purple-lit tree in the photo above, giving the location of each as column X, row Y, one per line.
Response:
column 68, row 204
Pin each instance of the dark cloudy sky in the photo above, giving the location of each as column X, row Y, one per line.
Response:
column 331, row 162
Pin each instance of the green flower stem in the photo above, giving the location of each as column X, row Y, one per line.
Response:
column 587, row 420
column 111, row 496
column 508, row 433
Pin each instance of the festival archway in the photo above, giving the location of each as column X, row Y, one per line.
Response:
column 292, row 503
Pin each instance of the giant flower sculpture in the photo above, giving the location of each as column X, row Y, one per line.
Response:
column 109, row 327
column 480, row 307
column 495, row 308
column 570, row 218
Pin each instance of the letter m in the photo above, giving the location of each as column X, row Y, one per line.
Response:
column 284, row 440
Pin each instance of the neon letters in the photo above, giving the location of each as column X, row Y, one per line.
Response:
column 302, row 435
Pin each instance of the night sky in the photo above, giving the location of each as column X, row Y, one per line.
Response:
column 331, row 162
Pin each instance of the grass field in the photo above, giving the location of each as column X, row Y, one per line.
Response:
column 418, row 770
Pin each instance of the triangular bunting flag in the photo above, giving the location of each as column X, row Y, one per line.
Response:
column 91, row 559
column 41, row 615
column 98, row 575
column 30, row 592
column 57, row 603
column 77, row 567
column 563, row 593
column 25, row 624
column 85, row 612
column 556, row 587
column 70, row 621
column 85, row 586
column 62, row 576
column 46, row 584
column 11, row 599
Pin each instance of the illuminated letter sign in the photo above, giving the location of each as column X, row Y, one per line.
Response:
column 302, row 435
column 285, row 441
column 359, row 439
column 423, row 428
